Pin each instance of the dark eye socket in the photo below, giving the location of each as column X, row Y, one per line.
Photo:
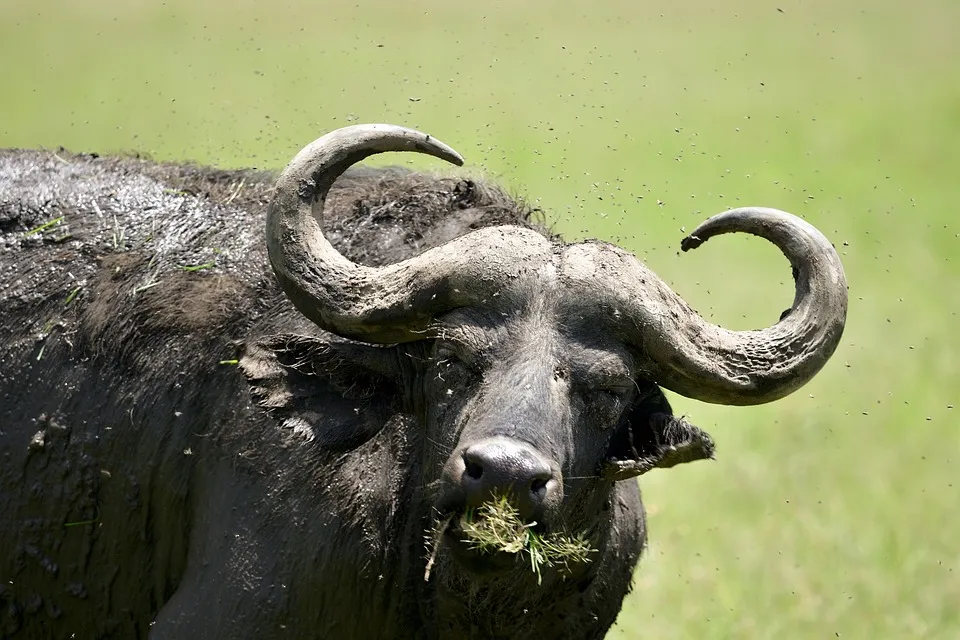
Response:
column 605, row 404
column 446, row 356
column 612, row 388
column 609, row 399
column 609, row 393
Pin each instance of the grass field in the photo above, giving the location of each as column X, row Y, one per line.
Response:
column 833, row 513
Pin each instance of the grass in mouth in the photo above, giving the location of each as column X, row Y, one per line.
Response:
column 496, row 527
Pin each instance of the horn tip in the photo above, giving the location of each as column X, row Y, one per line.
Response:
column 691, row 242
column 441, row 150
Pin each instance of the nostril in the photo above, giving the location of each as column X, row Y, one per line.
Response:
column 474, row 470
column 539, row 487
column 501, row 466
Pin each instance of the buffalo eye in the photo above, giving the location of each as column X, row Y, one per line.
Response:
column 455, row 367
column 606, row 403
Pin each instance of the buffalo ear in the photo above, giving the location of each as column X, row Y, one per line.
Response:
column 653, row 437
column 337, row 394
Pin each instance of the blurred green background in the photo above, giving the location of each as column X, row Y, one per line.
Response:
column 832, row 513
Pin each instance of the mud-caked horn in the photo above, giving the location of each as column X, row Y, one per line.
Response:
column 683, row 352
column 397, row 302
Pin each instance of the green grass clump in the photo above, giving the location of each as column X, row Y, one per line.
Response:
column 496, row 527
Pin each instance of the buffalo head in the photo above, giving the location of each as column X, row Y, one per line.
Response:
column 533, row 367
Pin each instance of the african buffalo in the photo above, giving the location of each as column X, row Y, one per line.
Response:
column 196, row 446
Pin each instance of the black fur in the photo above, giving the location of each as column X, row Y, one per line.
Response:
column 183, row 455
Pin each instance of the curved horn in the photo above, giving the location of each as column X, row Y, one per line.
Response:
column 697, row 359
column 395, row 303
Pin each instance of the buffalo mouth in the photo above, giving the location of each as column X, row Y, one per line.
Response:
column 493, row 540
column 468, row 554
column 456, row 534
